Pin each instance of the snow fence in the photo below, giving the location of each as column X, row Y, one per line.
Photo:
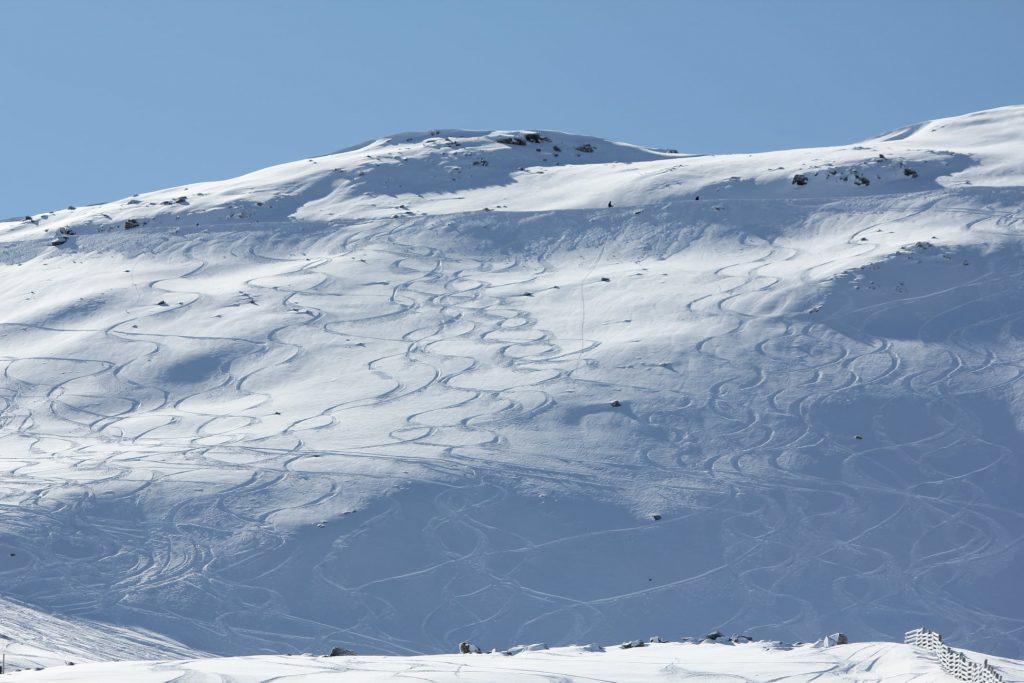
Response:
column 953, row 662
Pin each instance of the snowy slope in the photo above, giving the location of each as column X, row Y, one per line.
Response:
column 366, row 398
column 31, row 639
column 752, row 663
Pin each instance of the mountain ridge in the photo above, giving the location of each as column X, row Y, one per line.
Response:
column 480, row 146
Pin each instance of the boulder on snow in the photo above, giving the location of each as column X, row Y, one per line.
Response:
column 833, row 639
column 341, row 652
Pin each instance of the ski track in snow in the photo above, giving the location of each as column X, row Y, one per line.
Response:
column 381, row 433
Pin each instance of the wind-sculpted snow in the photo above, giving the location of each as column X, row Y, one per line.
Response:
column 308, row 407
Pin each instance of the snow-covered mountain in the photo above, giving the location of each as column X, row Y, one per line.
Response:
column 523, row 385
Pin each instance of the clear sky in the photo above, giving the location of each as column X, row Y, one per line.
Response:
column 104, row 98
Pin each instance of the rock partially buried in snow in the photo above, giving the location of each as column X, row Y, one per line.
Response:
column 832, row 640
column 535, row 647
column 590, row 647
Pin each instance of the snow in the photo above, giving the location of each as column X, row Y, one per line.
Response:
column 366, row 399
column 32, row 639
column 752, row 662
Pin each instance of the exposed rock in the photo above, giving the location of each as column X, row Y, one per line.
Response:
column 832, row 640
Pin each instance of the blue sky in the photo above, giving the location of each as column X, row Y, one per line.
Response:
column 106, row 98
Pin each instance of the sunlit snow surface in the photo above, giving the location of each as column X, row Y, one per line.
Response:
column 366, row 399
column 703, row 663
